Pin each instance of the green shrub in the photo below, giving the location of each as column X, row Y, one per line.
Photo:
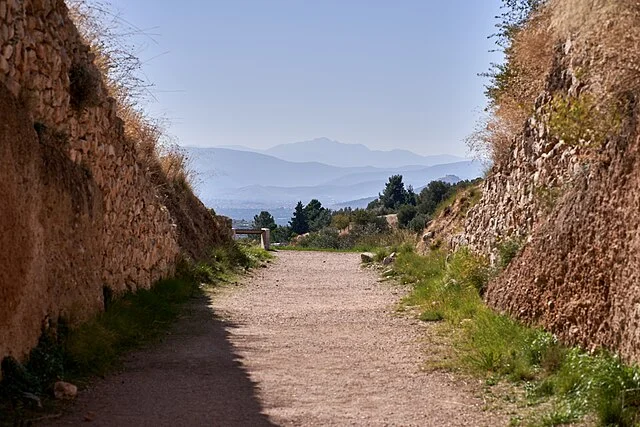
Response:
column 340, row 221
column 431, row 315
column 507, row 250
column 418, row 223
column 580, row 120
column 405, row 214
column 327, row 238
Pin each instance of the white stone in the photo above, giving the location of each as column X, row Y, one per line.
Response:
column 367, row 257
column 65, row 391
column 390, row 259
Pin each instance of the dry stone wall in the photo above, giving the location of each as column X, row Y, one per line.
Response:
column 79, row 210
column 576, row 209
column 524, row 188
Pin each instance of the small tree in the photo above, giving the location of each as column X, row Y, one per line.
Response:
column 299, row 222
column 411, row 196
column 432, row 195
column 317, row 216
column 418, row 223
column 394, row 193
column 264, row 220
column 340, row 221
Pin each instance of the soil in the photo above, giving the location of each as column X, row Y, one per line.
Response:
column 313, row 340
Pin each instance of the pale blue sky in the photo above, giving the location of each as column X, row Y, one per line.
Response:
column 384, row 73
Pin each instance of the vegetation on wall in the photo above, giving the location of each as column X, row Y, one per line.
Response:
column 112, row 40
column 524, row 36
column 580, row 120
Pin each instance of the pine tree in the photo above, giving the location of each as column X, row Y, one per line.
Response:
column 299, row 223
column 317, row 216
column 264, row 220
column 394, row 193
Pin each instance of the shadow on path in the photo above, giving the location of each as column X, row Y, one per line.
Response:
column 192, row 378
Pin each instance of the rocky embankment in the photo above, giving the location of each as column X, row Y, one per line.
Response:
column 82, row 210
column 567, row 192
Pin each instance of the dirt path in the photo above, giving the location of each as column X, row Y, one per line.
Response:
column 318, row 344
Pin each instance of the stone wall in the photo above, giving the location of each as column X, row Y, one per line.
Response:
column 80, row 211
column 576, row 210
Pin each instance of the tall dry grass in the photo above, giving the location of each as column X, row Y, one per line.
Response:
column 598, row 41
column 116, row 56
column 605, row 35
column 529, row 60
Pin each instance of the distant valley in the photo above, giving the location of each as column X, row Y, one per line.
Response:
column 240, row 182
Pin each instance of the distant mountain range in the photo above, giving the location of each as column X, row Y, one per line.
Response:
column 334, row 153
column 240, row 181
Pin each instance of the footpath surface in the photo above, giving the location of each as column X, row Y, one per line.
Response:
column 311, row 341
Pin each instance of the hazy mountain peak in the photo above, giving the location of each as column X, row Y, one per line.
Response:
column 336, row 153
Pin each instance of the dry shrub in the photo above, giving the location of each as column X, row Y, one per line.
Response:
column 530, row 61
column 491, row 140
column 521, row 80
column 598, row 43
column 602, row 48
column 109, row 36
column 175, row 166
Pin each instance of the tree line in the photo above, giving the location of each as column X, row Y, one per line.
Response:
column 413, row 210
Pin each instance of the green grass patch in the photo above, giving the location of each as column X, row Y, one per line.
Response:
column 447, row 289
column 136, row 318
column 129, row 321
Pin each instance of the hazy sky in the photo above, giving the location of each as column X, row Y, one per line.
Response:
column 384, row 73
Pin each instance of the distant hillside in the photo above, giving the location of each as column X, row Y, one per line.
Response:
column 233, row 179
column 336, row 153
column 354, row 204
column 221, row 168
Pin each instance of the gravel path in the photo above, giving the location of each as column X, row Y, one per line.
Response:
column 311, row 341
column 320, row 336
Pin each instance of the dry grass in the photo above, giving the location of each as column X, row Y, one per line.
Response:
column 529, row 62
column 598, row 41
column 491, row 141
column 605, row 35
column 110, row 38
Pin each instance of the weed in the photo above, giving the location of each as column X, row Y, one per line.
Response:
column 547, row 196
column 431, row 315
column 94, row 347
column 507, row 251
column 580, row 120
column 560, row 416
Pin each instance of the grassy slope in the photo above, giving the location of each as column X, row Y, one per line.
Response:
column 566, row 382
